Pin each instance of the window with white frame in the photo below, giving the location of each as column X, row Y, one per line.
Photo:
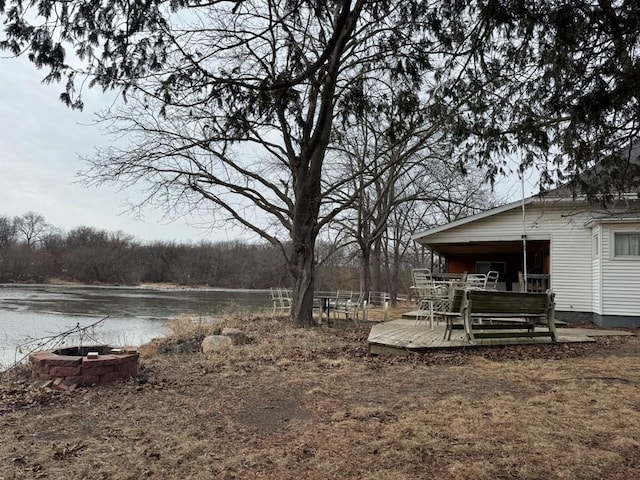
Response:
column 626, row 244
column 596, row 245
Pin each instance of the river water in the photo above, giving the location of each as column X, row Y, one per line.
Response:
column 132, row 316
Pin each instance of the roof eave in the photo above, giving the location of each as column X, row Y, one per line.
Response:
column 600, row 220
column 472, row 218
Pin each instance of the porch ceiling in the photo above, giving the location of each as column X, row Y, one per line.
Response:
column 482, row 247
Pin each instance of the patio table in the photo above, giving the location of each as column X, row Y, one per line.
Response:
column 326, row 301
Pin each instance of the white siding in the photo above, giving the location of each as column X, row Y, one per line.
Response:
column 620, row 276
column 571, row 267
column 506, row 226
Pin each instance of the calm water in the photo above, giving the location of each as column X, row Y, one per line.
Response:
column 135, row 315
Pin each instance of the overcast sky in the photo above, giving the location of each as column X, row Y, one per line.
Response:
column 40, row 143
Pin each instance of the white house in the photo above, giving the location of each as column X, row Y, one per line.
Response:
column 587, row 255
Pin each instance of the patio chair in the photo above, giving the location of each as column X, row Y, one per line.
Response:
column 432, row 295
column 281, row 298
column 351, row 309
column 342, row 298
column 421, row 276
column 476, row 281
column 425, row 312
column 422, row 282
column 378, row 299
column 492, row 280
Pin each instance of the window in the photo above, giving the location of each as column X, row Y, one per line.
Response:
column 596, row 246
column 626, row 244
column 485, row 267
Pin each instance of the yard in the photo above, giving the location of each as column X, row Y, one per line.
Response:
column 312, row 404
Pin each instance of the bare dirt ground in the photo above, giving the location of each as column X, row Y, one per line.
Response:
column 312, row 404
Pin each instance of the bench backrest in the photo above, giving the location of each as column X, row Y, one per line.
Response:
column 457, row 300
column 490, row 301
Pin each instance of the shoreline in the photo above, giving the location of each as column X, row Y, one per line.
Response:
column 169, row 287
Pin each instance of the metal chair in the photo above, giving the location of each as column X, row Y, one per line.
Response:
column 491, row 282
column 281, row 298
column 432, row 296
column 351, row 309
column 421, row 279
column 476, row 281
column 378, row 299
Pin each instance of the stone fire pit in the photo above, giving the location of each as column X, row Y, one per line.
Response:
column 74, row 366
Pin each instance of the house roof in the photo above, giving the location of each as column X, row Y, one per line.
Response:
column 563, row 193
column 627, row 217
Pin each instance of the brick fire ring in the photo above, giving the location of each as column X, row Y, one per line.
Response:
column 69, row 367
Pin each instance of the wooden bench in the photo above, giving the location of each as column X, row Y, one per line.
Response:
column 496, row 314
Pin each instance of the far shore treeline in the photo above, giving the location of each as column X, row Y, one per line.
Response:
column 33, row 251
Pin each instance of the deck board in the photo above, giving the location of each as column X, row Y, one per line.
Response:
column 409, row 335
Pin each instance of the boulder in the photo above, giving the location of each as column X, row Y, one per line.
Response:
column 216, row 343
column 237, row 336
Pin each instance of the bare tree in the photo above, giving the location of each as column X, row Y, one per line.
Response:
column 7, row 231
column 95, row 255
column 376, row 151
column 31, row 226
column 232, row 104
column 395, row 157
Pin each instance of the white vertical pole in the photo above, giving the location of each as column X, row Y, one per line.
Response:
column 524, row 236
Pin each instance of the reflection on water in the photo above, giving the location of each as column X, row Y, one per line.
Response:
column 135, row 315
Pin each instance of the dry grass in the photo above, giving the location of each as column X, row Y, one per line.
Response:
column 378, row 314
column 309, row 403
column 185, row 326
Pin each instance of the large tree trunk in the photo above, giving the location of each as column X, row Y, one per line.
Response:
column 365, row 270
column 304, row 288
column 307, row 172
column 303, row 238
column 393, row 273
column 376, row 265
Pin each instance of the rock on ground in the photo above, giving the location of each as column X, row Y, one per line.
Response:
column 216, row 343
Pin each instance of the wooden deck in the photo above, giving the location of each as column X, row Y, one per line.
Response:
column 404, row 336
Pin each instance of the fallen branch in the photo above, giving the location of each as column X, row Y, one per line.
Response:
column 52, row 341
column 604, row 379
